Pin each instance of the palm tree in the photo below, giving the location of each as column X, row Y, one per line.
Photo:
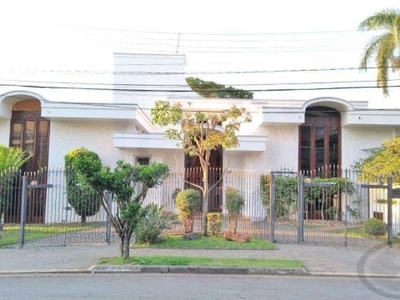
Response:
column 384, row 47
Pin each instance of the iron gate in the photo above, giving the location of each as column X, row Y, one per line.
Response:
column 312, row 209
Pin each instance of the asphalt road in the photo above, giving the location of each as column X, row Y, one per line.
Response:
column 189, row 286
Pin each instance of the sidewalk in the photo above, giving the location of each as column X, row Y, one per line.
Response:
column 318, row 260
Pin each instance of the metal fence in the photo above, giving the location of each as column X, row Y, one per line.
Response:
column 281, row 206
column 310, row 208
column 35, row 207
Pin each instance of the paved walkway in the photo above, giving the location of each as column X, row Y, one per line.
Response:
column 318, row 260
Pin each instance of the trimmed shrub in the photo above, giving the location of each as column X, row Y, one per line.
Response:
column 374, row 227
column 187, row 203
column 234, row 203
column 214, row 221
column 81, row 196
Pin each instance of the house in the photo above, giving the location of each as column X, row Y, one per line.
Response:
column 295, row 134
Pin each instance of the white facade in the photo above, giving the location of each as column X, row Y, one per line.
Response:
column 121, row 127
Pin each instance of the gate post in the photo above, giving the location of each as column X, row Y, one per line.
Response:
column 24, row 203
column 390, row 210
column 300, row 202
column 272, row 209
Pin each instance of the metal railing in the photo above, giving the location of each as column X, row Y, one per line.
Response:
column 281, row 206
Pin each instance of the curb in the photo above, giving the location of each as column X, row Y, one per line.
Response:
column 35, row 272
column 102, row 269
column 349, row 274
column 195, row 270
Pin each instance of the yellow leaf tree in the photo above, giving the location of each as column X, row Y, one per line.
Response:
column 198, row 133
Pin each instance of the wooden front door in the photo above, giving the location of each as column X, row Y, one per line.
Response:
column 30, row 132
column 319, row 154
column 194, row 174
column 320, row 141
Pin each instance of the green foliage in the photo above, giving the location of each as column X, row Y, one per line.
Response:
column 285, row 194
column 321, row 191
column 265, row 184
column 187, row 203
column 12, row 158
column 374, row 227
column 385, row 47
column 198, row 130
column 129, row 184
column 84, row 199
column 199, row 133
column 150, row 226
column 234, row 203
column 383, row 161
column 329, row 187
column 175, row 241
column 214, row 223
column 210, row 89
column 385, row 201
column 318, row 190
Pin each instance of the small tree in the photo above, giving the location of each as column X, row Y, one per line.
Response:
column 383, row 161
column 187, row 203
column 234, row 203
column 199, row 133
column 130, row 185
column 82, row 197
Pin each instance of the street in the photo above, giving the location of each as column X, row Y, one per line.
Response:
column 190, row 286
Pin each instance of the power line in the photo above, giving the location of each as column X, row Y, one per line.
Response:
column 186, row 90
column 92, row 72
column 76, row 84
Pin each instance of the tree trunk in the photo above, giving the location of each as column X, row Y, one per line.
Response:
column 205, row 207
column 125, row 238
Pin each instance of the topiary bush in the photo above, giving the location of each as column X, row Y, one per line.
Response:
column 81, row 196
column 374, row 227
column 214, row 223
column 152, row 223
column 187, row 203
column 234, row 203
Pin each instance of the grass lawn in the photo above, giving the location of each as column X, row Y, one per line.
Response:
column 210, row 242
column 11, row 233
column 203, row 261
column 175, row 241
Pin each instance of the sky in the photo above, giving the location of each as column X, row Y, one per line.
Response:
column 285, row 49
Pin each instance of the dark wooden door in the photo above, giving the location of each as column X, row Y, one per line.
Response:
column 30, row 132
column 320, row 141
column 194, row 174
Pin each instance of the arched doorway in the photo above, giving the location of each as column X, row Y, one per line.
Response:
column 320, row 156
column 30, row 132
column 320, row 141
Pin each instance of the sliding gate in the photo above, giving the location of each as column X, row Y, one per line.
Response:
column 317, row 210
